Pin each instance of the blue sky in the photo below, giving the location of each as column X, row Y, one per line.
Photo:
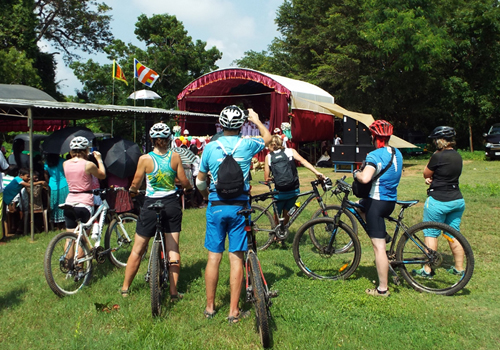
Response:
column 233, row 26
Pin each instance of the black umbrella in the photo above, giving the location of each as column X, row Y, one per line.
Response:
column 120, row 156
column 187, row 157
column 58, row 141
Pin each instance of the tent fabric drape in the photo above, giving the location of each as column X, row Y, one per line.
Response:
column 279, row 111
column 38, row 125
column 311, row 126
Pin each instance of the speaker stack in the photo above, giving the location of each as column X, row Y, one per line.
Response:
column 356, row 144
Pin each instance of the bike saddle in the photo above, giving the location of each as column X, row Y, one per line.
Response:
column 407, row 204
column 156, row 206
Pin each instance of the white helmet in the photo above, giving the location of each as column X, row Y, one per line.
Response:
column 79, row 142
column 160, row 131
column 232, row 117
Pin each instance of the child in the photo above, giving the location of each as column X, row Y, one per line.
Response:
column 20, row 181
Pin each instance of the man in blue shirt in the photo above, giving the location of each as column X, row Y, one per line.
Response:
column 222, row 217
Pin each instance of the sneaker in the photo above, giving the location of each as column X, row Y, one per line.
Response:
column 454, row 271
column 422, row 273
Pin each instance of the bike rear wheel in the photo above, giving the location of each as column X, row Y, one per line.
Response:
column 63, row 277
column 263, row 222
column 323, row 251
column 116, row 238
column 347, row 217
column 445, row 278
column 259, row 300
column 157, row 278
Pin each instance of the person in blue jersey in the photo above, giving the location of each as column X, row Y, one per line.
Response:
column 221, row 214
column 382, row 198
column 160, row 167
column 445, row 202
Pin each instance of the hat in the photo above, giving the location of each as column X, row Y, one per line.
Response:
column 186, row 132
column 277, row 130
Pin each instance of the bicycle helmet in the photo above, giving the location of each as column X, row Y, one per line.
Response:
column 443, row 132
column 160, row 131
column 79, row 142
column 381, row 128
column 232, row 117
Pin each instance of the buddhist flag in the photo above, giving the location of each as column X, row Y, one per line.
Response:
column 144, row 74
column 118, row 73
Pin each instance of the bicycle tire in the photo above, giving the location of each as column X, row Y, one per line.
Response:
column 60, row 273
column 259, row 300
column 313, row 255
column 156, row 281
column 264, row 221
column 114, row 239
column 443, row 282
column 332, row 210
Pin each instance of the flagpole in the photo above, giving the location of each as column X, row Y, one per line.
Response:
column 135, row 125
column 113, row 97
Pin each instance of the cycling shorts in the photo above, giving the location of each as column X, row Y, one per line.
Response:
column 170, row 216
column 375, row 211
column 71, row 217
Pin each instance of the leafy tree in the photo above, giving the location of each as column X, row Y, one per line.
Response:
column 16, row 68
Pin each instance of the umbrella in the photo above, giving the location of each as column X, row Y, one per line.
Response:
column 58, row 141
column 144, row 95
column 120, row 156
column 187, row 157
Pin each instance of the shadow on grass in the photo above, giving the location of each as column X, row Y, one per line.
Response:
column 11, row 298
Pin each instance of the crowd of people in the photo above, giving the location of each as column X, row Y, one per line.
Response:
column 209, row 180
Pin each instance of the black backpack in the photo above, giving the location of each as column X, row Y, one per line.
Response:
column 284, row 172
column 230, row 181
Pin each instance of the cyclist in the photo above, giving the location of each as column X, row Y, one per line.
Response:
column 78, row 171
column 286, row 198
column 221, row 214
column 160, row 167
column 382, row 197
column 444, row 202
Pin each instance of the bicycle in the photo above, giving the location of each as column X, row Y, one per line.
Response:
column 318, row 250
column 270, row 231
column 157, row 274
column 67, row 272
column 257, row 291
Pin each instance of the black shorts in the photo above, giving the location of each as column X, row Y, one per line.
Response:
column 171, row 216
column 376, row 211
column 82, row 214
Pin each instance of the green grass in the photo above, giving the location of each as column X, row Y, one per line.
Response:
column 307, row 314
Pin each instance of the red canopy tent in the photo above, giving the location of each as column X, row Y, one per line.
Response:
column 273, row 97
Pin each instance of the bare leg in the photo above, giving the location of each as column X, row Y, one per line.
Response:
column 134, row 260
column 235, row 278
column 458, row 254
column 211, row 279
column 381, row 262
column 172, row 246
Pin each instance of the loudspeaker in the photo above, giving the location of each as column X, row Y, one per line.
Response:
column 349, row 135
column 364, row 135
column 343, row 153
column 362, row 151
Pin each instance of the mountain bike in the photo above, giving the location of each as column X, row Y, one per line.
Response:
column 268, row 231
column 67, row 272
column 157, row 274
column 257, row 291
column 322, row 249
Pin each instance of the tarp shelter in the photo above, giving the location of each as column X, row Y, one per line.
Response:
column 271, row 96
column 12, row 107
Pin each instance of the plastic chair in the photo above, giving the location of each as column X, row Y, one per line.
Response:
column 41, row 205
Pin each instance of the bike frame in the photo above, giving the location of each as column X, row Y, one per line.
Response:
column 159, row 237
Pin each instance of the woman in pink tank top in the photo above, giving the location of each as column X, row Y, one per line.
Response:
column 78, row 171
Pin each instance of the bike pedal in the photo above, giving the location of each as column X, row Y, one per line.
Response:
column 396, row 280
column 273, row 293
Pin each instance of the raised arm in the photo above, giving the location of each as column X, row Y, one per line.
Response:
column 253, row 117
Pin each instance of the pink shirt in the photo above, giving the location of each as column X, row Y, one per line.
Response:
column 78, row 181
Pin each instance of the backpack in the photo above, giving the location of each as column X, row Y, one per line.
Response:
column 230, row 181
column 284, row 172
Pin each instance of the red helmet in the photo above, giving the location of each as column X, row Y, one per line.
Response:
column 381, row 128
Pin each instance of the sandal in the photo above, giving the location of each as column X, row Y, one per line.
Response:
column 209, row 315
column 376, row 293
column 236, row 319
column 124, row 293
column 176, row 297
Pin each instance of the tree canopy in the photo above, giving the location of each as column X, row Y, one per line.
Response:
column 417, row 63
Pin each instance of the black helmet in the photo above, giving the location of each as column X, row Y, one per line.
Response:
column 443, row 132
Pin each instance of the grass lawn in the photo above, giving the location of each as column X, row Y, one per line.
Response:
column 307, row 314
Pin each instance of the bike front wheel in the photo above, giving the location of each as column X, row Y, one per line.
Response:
column 64, row 276
column 120, row 238
column 157, row 278
column 346, row 216
column 325, row 251
column 259, row 300
column 449, row 266
column 263, row 223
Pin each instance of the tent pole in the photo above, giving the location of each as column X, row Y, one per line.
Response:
column 32, row 213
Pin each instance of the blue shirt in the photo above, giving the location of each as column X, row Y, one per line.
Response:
column 12, row 190
column 213, row 155
column 386, row 186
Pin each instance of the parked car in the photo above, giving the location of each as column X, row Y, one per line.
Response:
column 419, row 139
column 492, row 142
